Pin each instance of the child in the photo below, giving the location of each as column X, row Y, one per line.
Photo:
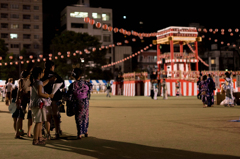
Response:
column 37, row 106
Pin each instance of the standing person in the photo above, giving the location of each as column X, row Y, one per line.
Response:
column 152, row 89
column 108, row 89
column 89, row 91
column 211, row 88
column 53, row 109
column 78, row 90
column 199, row 87
column 204, row 91
column 155, row 87
column 23, row 98
column 37, row 105
column 97, row 87
column 228, row 88
column 3, row 93
column 177, row 88
column 164, row 86
column 8, row 89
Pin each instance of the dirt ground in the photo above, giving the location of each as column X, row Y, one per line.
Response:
column 135, row 128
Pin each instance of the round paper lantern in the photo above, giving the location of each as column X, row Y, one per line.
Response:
column 216, row 30
column 119, row 43
column 40, row 56
column 50, row 58
column 203, row 36
column 86, row 20
column 110, row 28
column 0, row 58
column 100, row 49
column 33, row 61
column 228, row 44
column 210, row 30
column 16, row 63
column 98, row 25
column 20, row 57
column 113, row 45
column 209, row 38
column 236, row 30
column 62, row 56
column 68, row 52
column 126, row 41
column 199, row 29
column 68, row 55
column 92, row 21
column 234, row 45
column 222, row 42
column 106, row 47
column 22, row 62
column 80, row 52
column 231, row 34
column 59, row 53
column 56, row 57
column 121, row 30
column 135, row 53
column 124, row 32
column 11, row 57
column 222, row 33
column 5, row 64
column 145, row 49
column 150, row 45
column 105, row 26
column 38, row 60
column 0, row 64
column 128, row 33
column 222, row 30
column 115, row 30
column 215, row 40
column 44, row 59
column 139, row 52
column 94, row 49
column 50, row 55
column 74, row 54
column 27, row 61
column 11, row 63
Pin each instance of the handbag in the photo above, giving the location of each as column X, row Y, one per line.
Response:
column 43, row 101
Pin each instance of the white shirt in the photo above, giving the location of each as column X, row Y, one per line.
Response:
column 9, row 87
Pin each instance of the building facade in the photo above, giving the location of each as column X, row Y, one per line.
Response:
column 147, row 60
column 21, row 25
column 72, row 19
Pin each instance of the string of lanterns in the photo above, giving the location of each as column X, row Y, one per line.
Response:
column 127, row 58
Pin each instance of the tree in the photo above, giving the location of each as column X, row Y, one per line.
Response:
column 71, row 41
column 8, row 71
column 3, row 48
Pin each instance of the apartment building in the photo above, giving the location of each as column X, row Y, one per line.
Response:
column 21, row 25
column 72, row 19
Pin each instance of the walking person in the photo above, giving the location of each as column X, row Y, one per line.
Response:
column 8, row 90
column 53, row 78
column 152, row 89
column 177, row 88
column 37, row 104
column 108, row 89
column 204, row 91
column 78, row 90
column 3, row 93
column 199, row 87
column 228, row 88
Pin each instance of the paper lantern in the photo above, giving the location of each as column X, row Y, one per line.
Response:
column 30, row 56
column 59, row 53
column 121, row 30
column 119, row 43
column 215, row 40
column 209, row 38
column 141, row 50
column 100, row 49
column 20, row 57
column 150, row 45
column 80, row 52
column 229, row 30
column 222, row 33
column 0, row 58
column 50, row 55
column 113, row 45
column 110, row 28
column 11, row 63
column 16, row 63
column 56, row 57
column 0, row 64
column 128, row 33
column 38, row 60
column 126, row 41
column 210, row 30
column 94, row 49
column 50, row 58
column 22, row 62
column 133, row 39
column 216, row 30
column 135, row 53
column 115, row 30
column 68, row 55
column 74, row 54
column 236, row 30
column 62, row 56
column 40, row 56
column 44, row 59
column 234, row 45
column 124, row 32
column 27, row 61
column 5, row 64
column 11, row 57
column 228, row 44
column 33, row 61
column 105, row 26
column 98, row 25
column 106, row 47
column 231, row 34
column 86, row 20
column 92, row 21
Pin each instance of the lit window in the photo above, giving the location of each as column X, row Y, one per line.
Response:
column 96, row 16
column 79, row 14
column 13, row 36
column 213, row 61
column 105, row 17
column 14, row 26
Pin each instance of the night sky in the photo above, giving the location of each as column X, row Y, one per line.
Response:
column 155, row 15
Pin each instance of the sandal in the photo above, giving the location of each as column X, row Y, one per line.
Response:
column 42, row 139
column 37, row 142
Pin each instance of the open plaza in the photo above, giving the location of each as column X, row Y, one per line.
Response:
column 135, row 128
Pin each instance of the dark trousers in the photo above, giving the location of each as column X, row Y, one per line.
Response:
column 152, row 94
column 210, row 99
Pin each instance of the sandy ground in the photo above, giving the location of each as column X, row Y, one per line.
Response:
column 136, row 128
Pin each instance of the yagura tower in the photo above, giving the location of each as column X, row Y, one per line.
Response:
column 175, row 61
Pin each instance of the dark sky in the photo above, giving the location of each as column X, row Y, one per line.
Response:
column 155, row 14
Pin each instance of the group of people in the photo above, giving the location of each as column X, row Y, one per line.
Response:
column 37, row 89
column 206, row 87
column 155, row 89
